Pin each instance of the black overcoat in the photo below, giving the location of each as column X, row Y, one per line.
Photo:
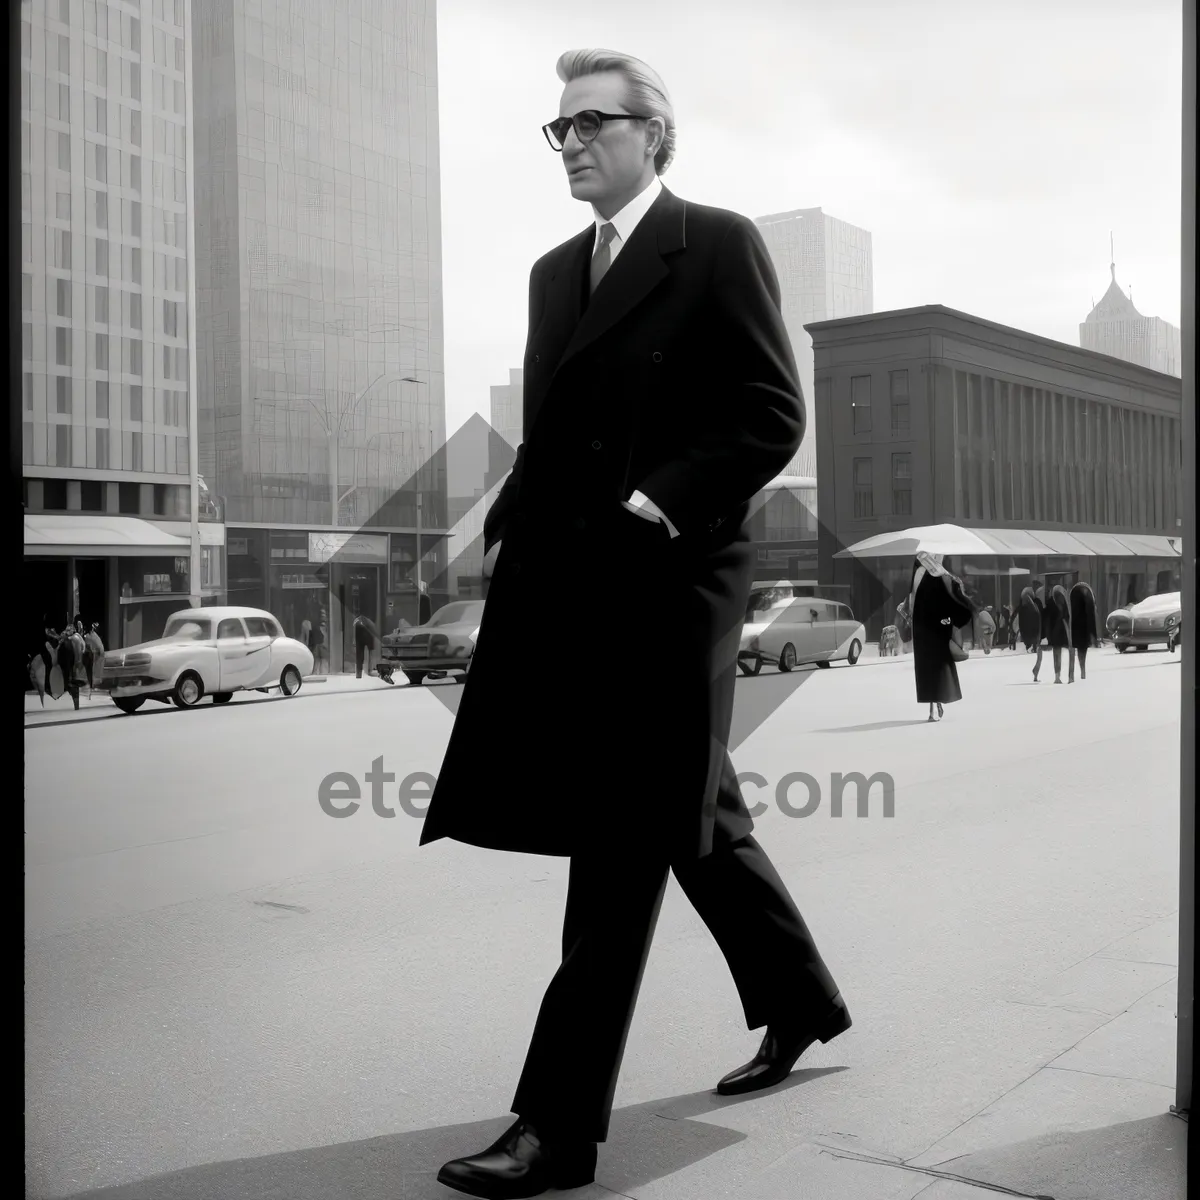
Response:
column 1030, row 618
column 1058, row 618
column 599, row 700
column 1084, row 631
column 937, row 598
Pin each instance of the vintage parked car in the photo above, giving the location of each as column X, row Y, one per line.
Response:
column 207, row 652
column 786, row 628
column 443, row 644
column 1151, row 622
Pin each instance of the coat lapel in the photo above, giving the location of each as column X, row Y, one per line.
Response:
column 637, row 270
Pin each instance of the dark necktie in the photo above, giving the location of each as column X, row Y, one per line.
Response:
column 602, row 259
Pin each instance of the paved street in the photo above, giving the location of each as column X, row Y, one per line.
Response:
column 227, row 983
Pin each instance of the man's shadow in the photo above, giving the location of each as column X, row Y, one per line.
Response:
column 873, row 725
column 646, row 1142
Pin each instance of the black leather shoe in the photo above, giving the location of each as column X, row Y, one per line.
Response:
column 778, row 1054
column 522, row 1163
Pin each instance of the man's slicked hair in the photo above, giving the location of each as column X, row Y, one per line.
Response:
column 646, row 94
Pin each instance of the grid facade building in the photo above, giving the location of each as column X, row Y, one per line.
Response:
column 824, row 267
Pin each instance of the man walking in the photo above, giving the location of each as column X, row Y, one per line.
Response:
column 660, row 395
column 366, row 636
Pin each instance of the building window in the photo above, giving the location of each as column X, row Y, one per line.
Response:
column 100, row 208
column 102, row 448
column 62, row 205
column 27, row 192
column 62, row 249
column 898, row 386
column 902, row 485
column 101, row 298
column 28, row 391
column 136, row 450
column 54, row 491
column 102, row 399
column 62, row 290
column 102, row 352
column 62, row 346
column 135, row 310
column 91, row 495
column 101, row 164
column 64, row 151
column 133, row 356
column 62, row 394
column 27, row 292
column 170, row 317
column 62, row 445
column 860, row 402
column 101, row 252
column 27, row 340
column 864, row 492
column 64, row 54
column 135, row 402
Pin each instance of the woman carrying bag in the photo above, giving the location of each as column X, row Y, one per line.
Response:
column 939, row 611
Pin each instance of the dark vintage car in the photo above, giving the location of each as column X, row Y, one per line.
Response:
column 443, row 644
column 1155, row 621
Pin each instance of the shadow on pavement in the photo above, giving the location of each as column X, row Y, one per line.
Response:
column 873, row 725
column 646, row 1142
column 1145, row 1159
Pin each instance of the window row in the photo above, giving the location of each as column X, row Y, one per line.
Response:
column 114, row 401
column 62, row 445
column 864, row 487
column 898, row 400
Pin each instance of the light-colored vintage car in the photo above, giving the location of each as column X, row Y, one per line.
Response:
column 207, row 652
column 443, row 644
column 1157, row 620
column 786, row 628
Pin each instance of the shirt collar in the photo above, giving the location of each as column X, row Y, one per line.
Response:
column 626, row 220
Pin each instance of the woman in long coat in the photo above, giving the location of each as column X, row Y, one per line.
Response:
column 1085, row 633
column 1030, row 619
column 938, row 607
column 1058, row 626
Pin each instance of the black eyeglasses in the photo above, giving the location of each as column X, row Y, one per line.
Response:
column 587, row 125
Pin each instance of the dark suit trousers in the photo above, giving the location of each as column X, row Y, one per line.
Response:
column 570, row 1074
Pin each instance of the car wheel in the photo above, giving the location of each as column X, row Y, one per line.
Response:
column 222, row 697
column 414, row 677
column 129, row 704
column 787, row 657
column 750, row 668
column 290, row 681
column 855, row 651
column 189, row 690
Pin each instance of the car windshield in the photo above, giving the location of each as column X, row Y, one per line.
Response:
column 462, row 611
column 190, row 628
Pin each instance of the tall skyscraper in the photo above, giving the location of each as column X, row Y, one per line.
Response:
column 319, row 336
column 108, row 427
column 824, row 269
column 1116, row 328
column 507, row 423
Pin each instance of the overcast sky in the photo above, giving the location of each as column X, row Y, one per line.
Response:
column 989, row 148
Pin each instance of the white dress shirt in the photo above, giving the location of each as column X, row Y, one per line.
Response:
column 625, row 222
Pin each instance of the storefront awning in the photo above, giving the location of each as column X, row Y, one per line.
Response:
column 100, row 534
column 972, row 542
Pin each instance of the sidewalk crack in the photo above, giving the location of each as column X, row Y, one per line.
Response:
column 935, row 1174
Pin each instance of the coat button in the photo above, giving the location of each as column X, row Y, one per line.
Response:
column 595, row 445
column 656, row 356
column 536, row 358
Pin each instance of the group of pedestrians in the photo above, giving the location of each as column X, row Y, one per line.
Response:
column 939, row 608
column 67, row 659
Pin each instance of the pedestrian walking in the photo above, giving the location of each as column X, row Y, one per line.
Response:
column 939, row 608
column 1057, row 616
column 661, row 394
column 366, row 636
column 95, row 657
column 1085, row 633
column 1030, row 619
